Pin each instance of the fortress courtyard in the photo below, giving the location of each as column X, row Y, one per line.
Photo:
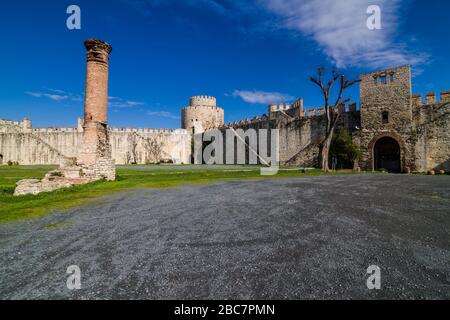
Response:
column 283, row 238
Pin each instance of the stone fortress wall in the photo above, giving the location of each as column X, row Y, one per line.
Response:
column 300, row 129
column 388, row 110
column 21, row 143
column 432, row 122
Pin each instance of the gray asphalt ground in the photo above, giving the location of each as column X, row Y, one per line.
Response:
column 304, row 238
column 188, row 167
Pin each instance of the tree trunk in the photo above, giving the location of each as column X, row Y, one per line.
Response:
column 325, row 152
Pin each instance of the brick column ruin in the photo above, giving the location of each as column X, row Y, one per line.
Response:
column 95, row 156
column 94, row 161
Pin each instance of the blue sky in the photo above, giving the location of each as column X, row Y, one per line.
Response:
column 246, row 53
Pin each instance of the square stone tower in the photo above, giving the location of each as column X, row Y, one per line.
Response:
column 386, row 99
column 95, row 155
column 386, row 120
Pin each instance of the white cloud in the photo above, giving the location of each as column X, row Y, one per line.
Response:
column 261, row 97
column 339, row 27
column 61, row 95
column 53, row 97
column 120, row 103
column 56, row 91
column 134, row 103
column 56, row 95
column 163, row 114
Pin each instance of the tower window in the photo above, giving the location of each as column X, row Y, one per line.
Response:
column 385, row 117
column 383, row 79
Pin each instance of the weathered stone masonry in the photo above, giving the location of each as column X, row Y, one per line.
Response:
column 40, row 146
column 300, row 131
column 391, row 115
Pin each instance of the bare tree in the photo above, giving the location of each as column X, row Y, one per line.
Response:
column 332, row 111
column 128, row 157
column 154, row 148
column 133, row 150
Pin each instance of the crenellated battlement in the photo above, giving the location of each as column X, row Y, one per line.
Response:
column 148, row 131
column 202, row 101
column 242, row 123
column 430, row 99
column 55, row 130
column 297, row 110
column 210, row 108
column 7, row 126
column 25, row 124
column 309, row 113
column 8, row 122
column 298, row 104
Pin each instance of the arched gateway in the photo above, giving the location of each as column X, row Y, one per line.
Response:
column 387, row 155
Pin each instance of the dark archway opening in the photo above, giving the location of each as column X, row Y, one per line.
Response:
column 387, row 155
column 1, row 159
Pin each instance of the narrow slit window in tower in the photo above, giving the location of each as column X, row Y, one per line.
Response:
column 385, row 117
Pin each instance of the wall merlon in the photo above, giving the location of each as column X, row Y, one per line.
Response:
column 273, row 108
column 445, row 96
column 431, row 98
column 298, row 103
column 417, row 100
column 202, row 100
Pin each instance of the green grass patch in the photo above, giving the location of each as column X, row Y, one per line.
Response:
column 29, row 207
column 58, row 225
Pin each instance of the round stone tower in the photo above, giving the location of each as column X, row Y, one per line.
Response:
column 202, row 114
